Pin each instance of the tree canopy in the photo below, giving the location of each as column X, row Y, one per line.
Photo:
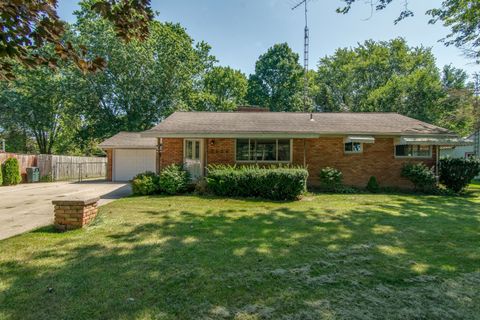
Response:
column 461, row 16
column 277, row 81
column 393, row 77
column 29, row 25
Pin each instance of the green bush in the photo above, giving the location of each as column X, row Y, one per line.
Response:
column 11, row 172
column 373, row 185
column 174, row 179
column 331, row 179
column 421, row 176
column 456, row 174
column 275, row 183
column 146, row 183
column 201, row 187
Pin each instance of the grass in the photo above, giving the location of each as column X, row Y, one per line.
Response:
column 325, row 257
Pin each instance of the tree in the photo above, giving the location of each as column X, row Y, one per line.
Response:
column 37, row 102
column 143, row 81
column 223, row 89
column 393, row 77
column 27, row 26
column 462, row 16
column 457, row 112
column 380, row 76
column 277, row 81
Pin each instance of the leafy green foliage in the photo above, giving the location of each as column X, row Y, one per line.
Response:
column 223, row 89
column 277, row 81
column 457, row 173
column 28, row 26
column 39, row 102
column 146, row 183
column 275, row 183
column 331, row 179
column 421, row 176
column 174, row 179
column 460, row 15
column 393, row 77
column 373, row 185
column 11, row 172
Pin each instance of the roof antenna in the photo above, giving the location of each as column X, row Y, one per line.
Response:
column 306, row 44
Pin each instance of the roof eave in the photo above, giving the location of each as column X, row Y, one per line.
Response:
column 162, row 134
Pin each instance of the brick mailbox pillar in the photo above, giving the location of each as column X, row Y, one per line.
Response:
column 74, row 214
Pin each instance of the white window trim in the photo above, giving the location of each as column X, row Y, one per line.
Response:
column 412, row 157
column 263, row 161
column 353, row 152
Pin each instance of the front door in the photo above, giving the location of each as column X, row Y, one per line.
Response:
column 193, row 157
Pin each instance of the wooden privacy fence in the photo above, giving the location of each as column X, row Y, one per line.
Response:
column 71, row 167
column 58, row 168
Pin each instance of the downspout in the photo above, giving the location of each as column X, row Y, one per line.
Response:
column 437, row 161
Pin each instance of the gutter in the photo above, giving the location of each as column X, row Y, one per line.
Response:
column 280, row 135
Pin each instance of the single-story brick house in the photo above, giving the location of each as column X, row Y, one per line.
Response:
column 361, row 145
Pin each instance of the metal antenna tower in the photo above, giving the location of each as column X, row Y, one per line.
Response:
column 306, row 45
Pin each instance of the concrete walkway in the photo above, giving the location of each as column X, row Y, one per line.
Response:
column 29, row 206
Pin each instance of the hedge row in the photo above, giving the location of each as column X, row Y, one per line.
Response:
column 276, row 183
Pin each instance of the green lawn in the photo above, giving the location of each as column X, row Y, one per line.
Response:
column 325, row 257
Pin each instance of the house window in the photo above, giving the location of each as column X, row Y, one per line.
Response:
column 263, row 150
column 353, row 147
column 413, row 151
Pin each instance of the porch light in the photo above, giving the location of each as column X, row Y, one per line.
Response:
column 212, row 142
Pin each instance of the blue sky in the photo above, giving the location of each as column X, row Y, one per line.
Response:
column 239, row 31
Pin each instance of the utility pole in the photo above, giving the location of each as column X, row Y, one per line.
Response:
column 306, row 45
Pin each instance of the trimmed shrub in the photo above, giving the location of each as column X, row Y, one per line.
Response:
column 421, row 176
column 275, row 183
column 145, row 183
column 331, row 179
column 174, row 180
column 11, row 172
column 457, row 173
column 373, row 185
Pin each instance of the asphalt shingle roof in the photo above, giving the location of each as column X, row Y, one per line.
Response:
column 129, row 140
column 293, row 123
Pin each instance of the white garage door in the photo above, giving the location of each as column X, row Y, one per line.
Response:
column 130, row 162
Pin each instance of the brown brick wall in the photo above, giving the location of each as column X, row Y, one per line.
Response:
column 220, row 151
column 377, row 159
column 109, row 164
column 172, row 152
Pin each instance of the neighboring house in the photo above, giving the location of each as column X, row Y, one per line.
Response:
column 462, row 151
column 361, row 145
column 466, row 151
column 128, row 154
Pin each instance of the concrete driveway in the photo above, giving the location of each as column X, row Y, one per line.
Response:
column 29, row 206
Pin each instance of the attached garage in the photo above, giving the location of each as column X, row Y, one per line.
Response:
column 129, row 162
column 129, row 154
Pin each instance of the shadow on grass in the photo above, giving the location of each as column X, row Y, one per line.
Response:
column 219, row 258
